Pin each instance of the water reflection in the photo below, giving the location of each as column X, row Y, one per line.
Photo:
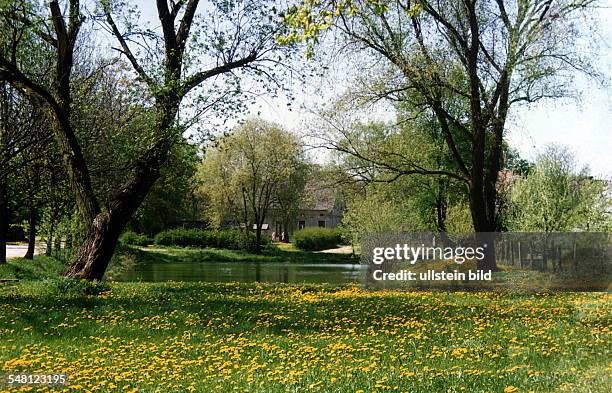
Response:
column 245, row 272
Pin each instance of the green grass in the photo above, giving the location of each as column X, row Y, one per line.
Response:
column 207, row 337
column 284, row 254
column 24, row 269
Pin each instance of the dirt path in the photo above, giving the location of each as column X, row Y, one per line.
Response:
column 339, row 250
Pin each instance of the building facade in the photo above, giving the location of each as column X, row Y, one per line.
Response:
column 321, row 209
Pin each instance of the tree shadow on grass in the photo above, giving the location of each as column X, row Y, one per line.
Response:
column 244, row 309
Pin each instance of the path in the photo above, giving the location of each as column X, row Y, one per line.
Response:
column 18, row 251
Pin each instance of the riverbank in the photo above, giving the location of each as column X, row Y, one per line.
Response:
column 215, row 265
column 215, row 337
column 169, row 255
column 281, row 253
column 127, row 257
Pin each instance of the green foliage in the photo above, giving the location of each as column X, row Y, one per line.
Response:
column 555, row 196
column 315, row 239
column 131, row 238
column 172, row 198
column 230, row 239
column 259, row 166
column 375, row 212
column 458, row 219
column 393, row 201
column 244, row 174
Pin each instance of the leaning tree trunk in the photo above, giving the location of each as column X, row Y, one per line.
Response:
column 32, row 222
column 102, row 236
column 96, row 251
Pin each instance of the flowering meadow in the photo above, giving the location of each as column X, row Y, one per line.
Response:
column 203, row 337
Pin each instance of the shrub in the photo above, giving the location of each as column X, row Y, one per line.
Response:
column 130, row 238
column 229, row 238
column 314, row 239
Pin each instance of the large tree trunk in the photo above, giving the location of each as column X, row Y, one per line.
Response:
column 3, row 221
column 97, row 249
column 32, row 222
column 487, row 240
column 484, row 226
column 102, row 236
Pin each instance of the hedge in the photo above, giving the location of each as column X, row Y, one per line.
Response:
column 229, row 238
column 130, row 238
column 315, row 239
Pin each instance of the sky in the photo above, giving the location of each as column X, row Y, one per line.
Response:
column 584, row 125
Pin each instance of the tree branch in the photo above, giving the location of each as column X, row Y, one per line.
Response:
column 185, row 26
column 125, row 49
column 194, row 80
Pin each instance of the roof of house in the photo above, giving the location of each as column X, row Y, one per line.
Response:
column 318, row 198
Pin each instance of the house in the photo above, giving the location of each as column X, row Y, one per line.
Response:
column 320, row 208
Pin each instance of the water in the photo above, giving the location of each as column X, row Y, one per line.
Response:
column 245, row 272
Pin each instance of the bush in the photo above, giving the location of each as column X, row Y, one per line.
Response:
column 130, row 238
column 315, row 239
column 229, row 238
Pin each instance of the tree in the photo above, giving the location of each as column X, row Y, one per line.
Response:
column 290, row 194
column 556, row 197
column 172, row 198
column 249, row 171
column 241, row 37
column 395, row 158
column 466, row 63
column 24, row 142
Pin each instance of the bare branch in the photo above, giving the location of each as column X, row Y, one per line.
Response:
column 125, row 49
column 196, row 79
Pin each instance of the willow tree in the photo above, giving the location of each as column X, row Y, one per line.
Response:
column 229, row 40
column 251, row 171
column 466, row 63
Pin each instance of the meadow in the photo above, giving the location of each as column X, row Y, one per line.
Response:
column 209, row 337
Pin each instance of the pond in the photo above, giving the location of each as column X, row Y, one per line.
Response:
column 245, row 272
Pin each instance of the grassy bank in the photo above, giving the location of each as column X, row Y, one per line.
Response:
column 43, row 267
column 282, row 254
column 39, row 268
